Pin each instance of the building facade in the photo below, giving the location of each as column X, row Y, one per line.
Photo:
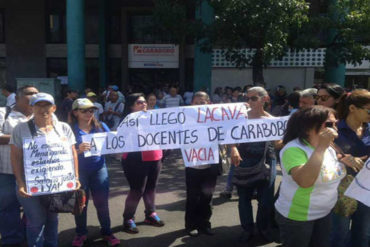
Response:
column 112, row 42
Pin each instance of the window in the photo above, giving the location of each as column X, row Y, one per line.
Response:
column 142, row 31
column 56, row 67
column 114, row 29
column 92, row 28
column 114, row 71
column 92, row 73
column 2, row 33
column 56, row 21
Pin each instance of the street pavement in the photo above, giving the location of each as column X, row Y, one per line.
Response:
column 170, row 201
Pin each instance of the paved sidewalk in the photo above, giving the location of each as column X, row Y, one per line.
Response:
column 170, row 207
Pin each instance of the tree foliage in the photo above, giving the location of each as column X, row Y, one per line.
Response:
column 270, row 27
column 343, row 27
column 261, row 25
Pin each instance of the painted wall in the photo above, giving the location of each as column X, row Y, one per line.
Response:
column 289, row 77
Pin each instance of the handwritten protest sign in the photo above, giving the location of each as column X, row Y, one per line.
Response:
column 48, row 166
column 200, row 156
column 186, row 127
column 359, row 189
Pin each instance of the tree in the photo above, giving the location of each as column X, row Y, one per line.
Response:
column 341, row 26
column 262, row 26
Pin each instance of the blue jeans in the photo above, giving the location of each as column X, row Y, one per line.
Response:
column 42, row 225
column 97, row 182
column 229, row 184
column 358, row 235
column 265, row 196
column 11, row 228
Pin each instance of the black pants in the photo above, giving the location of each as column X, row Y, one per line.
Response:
column 314, row 233
column 200, row 185
column 142, row 177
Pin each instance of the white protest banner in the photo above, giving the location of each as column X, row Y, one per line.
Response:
column 359, row 189
column 200, row 156
column 187, row 127
column 48, row 165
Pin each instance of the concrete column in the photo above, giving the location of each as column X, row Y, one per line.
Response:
column 334, row 70
column 202, row 61
column 124, row 40
column 76, row 44
column 103, row 72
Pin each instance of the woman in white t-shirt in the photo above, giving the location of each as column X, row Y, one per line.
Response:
column 311, row 175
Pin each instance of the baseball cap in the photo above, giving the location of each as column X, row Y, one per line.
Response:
column 82, row 103
column 90, row 94
column 42, row 97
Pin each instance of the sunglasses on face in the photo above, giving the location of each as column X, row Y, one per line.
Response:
column 91, row 110
column 330, row 124
column 140, row 102
column 253, row 98
column 30, row 93
column 323, row 97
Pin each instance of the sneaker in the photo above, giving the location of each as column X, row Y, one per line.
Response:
column 225, row 194
column 129, row 226
column 154, row 220
column 111, row 240
column 79, row 241
column 192, row 232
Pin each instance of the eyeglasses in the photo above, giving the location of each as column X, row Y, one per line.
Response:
column 323, row 97
column 91, row 110
column 30, row 93
column 368, row 110
column 330, row 124
column 253, row 98
column 140, row 102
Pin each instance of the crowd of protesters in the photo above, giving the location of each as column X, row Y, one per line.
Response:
column 332, row 141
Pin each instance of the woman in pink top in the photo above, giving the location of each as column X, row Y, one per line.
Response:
column 141, row 170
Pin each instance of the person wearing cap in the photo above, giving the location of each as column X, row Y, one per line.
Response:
column 92, row 170
column 113, row 111
column 11, row 227
column 93, row 97
column 42, row 225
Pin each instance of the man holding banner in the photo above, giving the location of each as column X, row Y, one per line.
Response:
column 11, row 228
column 44, row 161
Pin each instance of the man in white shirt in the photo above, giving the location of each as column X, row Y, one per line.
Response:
column 11, row 227
column 113, row 111
column 173, row 99
column 8, row 92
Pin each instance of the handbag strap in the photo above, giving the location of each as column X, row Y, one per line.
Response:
column 262, row 161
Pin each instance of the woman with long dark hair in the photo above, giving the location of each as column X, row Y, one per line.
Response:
column 311, row 175
column 329, row 95
column 93, row 172
column 354, row 140
column 141, row 170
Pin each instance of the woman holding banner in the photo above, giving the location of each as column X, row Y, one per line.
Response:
column 311, row 175
column 141, row 170
column 93, row 172
column 253, row 156
column 354, row 140
column 42, row 225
